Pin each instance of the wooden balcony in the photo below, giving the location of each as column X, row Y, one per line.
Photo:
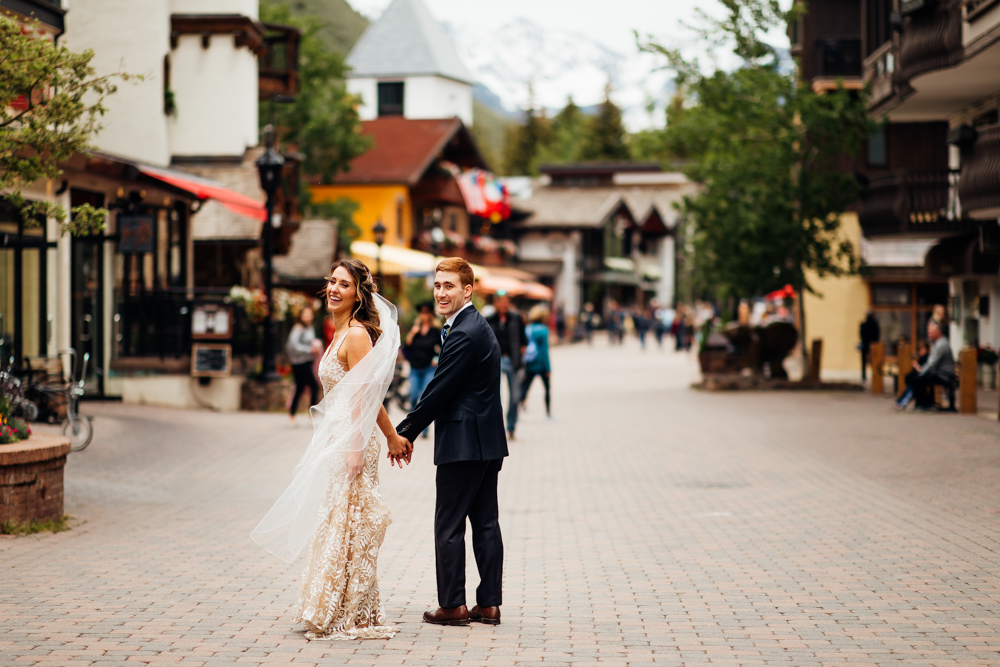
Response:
column 930, row 39
column 278, row 62
column 979, row 185
column 913, row 203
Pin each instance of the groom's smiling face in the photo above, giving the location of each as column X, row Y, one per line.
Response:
column 449, row 293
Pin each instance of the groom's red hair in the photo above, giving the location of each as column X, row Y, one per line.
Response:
column 459, row 266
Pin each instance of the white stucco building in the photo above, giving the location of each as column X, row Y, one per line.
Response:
column 405, row 65
column 124, row 296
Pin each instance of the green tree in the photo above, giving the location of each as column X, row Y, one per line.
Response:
column 50, row 107
column 605, row 138
column 322, row 124
column 568, row 129
column 766, row 151
column 525, row 140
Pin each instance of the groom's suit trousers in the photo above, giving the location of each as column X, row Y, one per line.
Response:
column 468, row 489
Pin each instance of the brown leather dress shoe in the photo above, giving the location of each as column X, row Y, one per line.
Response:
column 453, row 616
column 487, row 615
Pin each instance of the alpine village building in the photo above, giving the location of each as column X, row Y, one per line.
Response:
column 931, row 202
column 174, row 166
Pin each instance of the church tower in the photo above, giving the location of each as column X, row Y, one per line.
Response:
column 405, row 65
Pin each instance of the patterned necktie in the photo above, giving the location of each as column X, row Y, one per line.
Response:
column 444, row 333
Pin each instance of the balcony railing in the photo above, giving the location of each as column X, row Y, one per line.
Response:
column 930, row 39
column 278, row 62
column 911, row 202
column 979, row 186
column 838, row 58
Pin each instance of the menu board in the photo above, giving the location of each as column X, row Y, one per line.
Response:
column 211, row 360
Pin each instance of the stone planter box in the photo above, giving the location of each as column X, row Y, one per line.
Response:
column 31, row 479
column 266, row 396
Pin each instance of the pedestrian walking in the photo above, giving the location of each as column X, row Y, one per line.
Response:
column 508, row 327
column 302, row 347
column 641, row 324
column 536, row 355
column 423, row 344
column 588, row 320
column 616, row 324
column 870, row 332
column 680, row 329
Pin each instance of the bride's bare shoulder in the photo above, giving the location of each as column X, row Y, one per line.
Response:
column 356, row 344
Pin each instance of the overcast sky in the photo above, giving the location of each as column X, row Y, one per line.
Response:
column 609, row 22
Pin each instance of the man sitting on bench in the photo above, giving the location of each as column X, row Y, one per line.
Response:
column 939, row 369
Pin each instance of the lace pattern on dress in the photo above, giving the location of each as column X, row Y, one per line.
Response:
column 339, row 598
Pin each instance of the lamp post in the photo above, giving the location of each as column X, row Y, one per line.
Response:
column 379, row 231
column 269, row 166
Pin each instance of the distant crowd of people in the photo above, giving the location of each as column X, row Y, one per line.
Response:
column 682, row 323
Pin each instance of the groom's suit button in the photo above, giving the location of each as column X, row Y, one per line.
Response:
column 454, row 616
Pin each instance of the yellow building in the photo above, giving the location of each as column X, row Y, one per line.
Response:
column 836, row 311
column 406, row 181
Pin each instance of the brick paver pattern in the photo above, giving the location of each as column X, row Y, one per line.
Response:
column 649, row 524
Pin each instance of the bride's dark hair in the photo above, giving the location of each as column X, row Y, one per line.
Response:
column 365, row 311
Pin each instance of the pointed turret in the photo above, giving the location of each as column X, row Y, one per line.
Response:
column 406, row 65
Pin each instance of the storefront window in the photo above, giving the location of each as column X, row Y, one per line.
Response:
column 903, row 310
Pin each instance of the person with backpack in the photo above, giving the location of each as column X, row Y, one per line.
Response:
column 536, row 355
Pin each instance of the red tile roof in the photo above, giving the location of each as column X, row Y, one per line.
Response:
column 402, row 149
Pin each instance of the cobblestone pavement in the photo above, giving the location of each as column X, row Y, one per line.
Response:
column 650, row 524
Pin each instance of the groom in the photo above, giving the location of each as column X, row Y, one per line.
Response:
column 463, row 400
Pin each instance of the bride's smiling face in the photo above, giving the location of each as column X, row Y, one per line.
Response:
column 341, row 292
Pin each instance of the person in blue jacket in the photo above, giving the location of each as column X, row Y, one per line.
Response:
column 536, row 354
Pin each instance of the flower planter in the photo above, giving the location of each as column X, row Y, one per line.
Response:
column 31, row 479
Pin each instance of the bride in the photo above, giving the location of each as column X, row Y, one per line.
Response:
column 333, row 502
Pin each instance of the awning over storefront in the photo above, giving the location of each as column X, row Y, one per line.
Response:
column 204, row 188
column 492, row 284
column 402, row 261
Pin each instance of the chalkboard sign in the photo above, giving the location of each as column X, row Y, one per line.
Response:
column 211, row 360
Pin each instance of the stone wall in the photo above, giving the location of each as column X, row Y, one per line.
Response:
column 31, row 479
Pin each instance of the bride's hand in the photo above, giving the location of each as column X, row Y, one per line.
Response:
column 355, row 463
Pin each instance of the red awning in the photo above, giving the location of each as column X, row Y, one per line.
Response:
column 204, row 188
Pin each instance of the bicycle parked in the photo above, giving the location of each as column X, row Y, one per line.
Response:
column 36, row 398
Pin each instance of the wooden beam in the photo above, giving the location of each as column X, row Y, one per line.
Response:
column 967, row 381
column 878, row 359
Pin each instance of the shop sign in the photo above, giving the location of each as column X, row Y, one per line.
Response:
column 136, row 234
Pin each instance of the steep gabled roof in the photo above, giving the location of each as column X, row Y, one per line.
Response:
column 552, row 207
column 406, row 41
column 403, row 148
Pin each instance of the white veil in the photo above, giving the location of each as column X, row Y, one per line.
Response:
column 344, row 422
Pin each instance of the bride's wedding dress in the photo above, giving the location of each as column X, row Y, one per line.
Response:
column 339, row 598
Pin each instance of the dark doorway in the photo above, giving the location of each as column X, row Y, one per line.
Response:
column 87, row 285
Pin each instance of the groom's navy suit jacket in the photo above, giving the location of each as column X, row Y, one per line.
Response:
column 463, row 398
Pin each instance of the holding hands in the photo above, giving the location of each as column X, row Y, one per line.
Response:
column 400, row 450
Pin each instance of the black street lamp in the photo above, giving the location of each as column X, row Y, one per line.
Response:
column 379, row 231
column 269, row 165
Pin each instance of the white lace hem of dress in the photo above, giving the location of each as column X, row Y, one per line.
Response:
column 376, row 632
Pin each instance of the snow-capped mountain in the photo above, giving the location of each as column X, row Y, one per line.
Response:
column 521, row 55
